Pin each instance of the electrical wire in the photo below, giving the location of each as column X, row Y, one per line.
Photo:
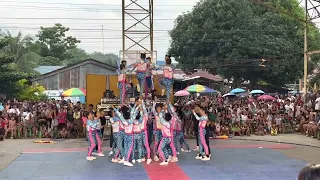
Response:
column 79, row 4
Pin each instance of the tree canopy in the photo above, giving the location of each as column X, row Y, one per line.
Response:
column 232, row 37
column 20, row 55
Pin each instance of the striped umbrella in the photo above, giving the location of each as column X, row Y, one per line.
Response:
column 74, row 92
column 197, row 88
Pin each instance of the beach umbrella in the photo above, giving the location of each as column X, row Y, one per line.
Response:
column 266, row 97
column 228, row 94
column 182, row 93
column 74, row 92
column 237, row 91
column 256, row 92
column 197, row 88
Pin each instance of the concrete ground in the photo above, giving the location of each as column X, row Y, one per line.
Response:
column 301, row 150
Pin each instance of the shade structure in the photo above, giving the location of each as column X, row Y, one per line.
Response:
column 197, row 88
column 74, row 92
column 228, row 94
column 266, row 97
column 182, row 93
column 256, row 92
column 237, row 91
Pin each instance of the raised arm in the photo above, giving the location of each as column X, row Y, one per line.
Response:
column 120, row 116
column 163, row 121
column 171, row 109
column 133, row 113
column 202, row 118
column 145, row 112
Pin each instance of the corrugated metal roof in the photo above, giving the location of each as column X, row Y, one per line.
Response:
column 47, row 69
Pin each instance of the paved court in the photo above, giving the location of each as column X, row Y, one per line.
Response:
column 229, row 161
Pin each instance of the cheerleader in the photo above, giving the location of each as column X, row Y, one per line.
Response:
column 166, row 138
column 96, row 137
column 144, row 133
column 157, row 112
column 178, row 133
column 167, row 80
column 117, row 148
column 203, row 147
column 91, row 127
column 137, row 138
column 122, row 83
column 127, row 119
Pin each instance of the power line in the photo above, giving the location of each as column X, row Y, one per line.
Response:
column 70, row 9
column 79, row 4
column 159, row 30
column 84, row 19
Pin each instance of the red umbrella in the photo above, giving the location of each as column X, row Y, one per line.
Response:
column 266, row 97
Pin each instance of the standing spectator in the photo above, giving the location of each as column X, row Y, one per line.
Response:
column 62, row 115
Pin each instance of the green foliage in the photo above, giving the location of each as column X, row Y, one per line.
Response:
column 54, row 42
column 27, row 92
column 232, row 37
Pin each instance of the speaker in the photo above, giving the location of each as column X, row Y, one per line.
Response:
column 108, row 94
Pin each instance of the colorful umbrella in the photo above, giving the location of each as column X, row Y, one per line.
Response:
column 237, row 91
column 266, row 97
column 182, row 93
column 256, row 92
column 74, row 92
column 197, row 88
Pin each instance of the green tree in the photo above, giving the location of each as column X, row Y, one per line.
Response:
column 232, row 37
column 77, row 55
column 109, row 58
column 29, row 92
column 10, row 71
column 53, row 42
column 17, row 45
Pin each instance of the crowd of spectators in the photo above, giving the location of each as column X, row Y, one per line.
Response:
column 236, row 116
column 48, row 119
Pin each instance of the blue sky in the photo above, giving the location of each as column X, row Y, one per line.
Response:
column 89, row 31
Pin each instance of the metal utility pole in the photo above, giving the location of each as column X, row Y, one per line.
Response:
column 311, row 13
column 305, row 57
column 137, row 28
column 102, row 39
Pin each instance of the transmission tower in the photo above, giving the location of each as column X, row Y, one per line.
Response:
column 137, row 29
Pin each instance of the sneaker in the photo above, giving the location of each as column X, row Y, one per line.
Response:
column 205, row 158
column 149, row 161
column 126, row 163
column 114, row 160
column 170, row 158
column 164, row 163
column 139, row 160
column 178, row 153
column 174, row 159
column 182, row 150
column 198, row 157
column 143, row 159
column 93, row 157
column 111, row 153
column 89, row 158
column 196, row 149
column 121, row 161
column 133, row 161
column 187, row 151
column 156, row 158
column 100, row 155
column 95, row 154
